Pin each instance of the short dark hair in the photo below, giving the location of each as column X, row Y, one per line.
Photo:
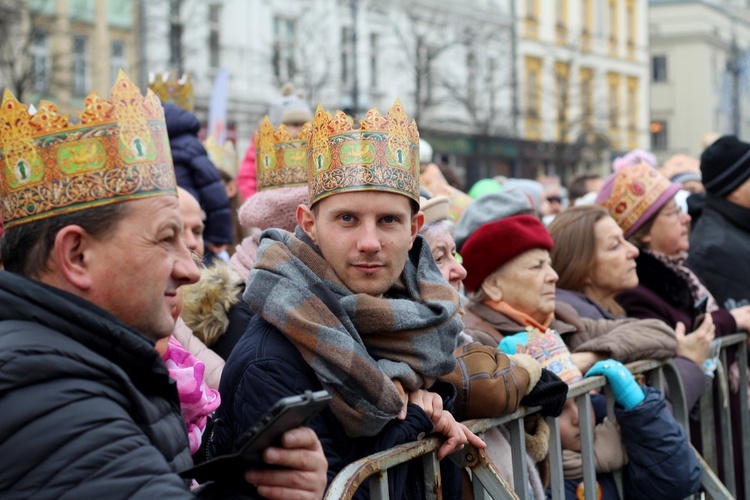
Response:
column 26, row 248
column 577, row 187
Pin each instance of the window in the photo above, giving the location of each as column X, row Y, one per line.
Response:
column 41, row 61
column 175, row 34
column 80, row 65
column 346, row 54
column 587, row 18
column 118, row 60
column 587, row 99
column 214, row 18
column 658, row 130
column 562, row 73
column 374, row 51
column 533, row 114
column 614, row 100
column 283, row 48
column 659, row 69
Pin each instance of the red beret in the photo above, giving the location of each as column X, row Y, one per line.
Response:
column 497, row 242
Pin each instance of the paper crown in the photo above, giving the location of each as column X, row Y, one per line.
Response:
column 382, row 155
column 170, row 88
column 48, row 167
column 223, row 157
column 281, row 160
column 634, row 194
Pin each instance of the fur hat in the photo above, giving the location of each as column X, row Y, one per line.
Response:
column 634, row 157
column 531, row 188
column 725, row 165
column 496, row 243
column 488, row 382
column 635, row 194
column 273, row 208
column 488, row 208
column 289, row 107
column 434, row 209
column 425, row 151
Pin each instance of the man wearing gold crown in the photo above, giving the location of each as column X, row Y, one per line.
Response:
column 94, row 255
column 353, row 303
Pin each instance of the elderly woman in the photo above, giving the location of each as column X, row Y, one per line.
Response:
column 641, row 201
column 438, row 231
column 512, row 282
column 595, row 263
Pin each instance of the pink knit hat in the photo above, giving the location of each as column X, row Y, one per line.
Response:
column 634, row 194
column 273, row 208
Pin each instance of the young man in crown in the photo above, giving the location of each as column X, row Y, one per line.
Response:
column 353, row 303
column 95, row 253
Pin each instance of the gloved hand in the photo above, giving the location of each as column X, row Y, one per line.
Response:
column 509, row 342
column 624, row 387
column 550, row 393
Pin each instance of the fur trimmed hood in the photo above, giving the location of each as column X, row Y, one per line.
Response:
column 207, row 302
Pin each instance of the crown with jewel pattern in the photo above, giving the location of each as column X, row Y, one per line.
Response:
column 382, row 155
column 170, row 88
column 281, row 160
column 118, row 152
column 223, row 157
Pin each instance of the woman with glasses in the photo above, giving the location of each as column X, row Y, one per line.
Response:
column 641, row 201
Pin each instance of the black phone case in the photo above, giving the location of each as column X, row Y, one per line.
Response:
column 286, row 414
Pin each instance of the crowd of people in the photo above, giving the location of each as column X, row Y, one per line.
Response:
column 158, row 301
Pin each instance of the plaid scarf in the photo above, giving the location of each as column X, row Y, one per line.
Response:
column 677, row 265
column 365, row 350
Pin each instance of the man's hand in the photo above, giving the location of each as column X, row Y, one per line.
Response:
column 444, row 423
column 304, row 475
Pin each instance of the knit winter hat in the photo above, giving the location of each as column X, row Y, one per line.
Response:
column 549, row 349
column 488, row 208
column 635, row 194
column 725, row 165
column 289, row 108
column 434, row 209
column 273, row 208
column 496, row 243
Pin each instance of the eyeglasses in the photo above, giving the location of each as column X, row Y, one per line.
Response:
column 677, row 211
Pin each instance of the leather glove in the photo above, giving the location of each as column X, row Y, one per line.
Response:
column 509, row 342
column 626, row 390
column 550, row 393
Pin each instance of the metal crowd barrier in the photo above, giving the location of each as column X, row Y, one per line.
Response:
column 488, row 483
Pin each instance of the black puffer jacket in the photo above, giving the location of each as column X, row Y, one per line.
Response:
column 196, row 174
column 88, row 408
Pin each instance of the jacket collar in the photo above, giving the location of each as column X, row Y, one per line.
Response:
column 736, row 214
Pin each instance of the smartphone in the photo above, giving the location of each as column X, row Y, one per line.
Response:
column 699, row 311
column 286, row 414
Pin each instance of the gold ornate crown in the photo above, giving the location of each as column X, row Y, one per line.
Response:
column 382, row 155
column 170, row 88
column 281, row 160
column 223, row 157
column 119, row 152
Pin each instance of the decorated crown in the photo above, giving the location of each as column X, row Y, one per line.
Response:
column 281, row 160
column 634, row 194
column 382, row 155
column 170, row 88
column 223, row 157
column 118, row 152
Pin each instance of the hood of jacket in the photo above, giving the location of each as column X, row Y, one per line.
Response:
column 180, row 121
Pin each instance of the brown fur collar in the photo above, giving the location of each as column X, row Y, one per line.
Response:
column 207, row 302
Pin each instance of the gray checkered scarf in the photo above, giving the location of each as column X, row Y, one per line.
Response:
column 365, row 350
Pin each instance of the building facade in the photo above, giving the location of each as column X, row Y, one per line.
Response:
column 700, row 51
column 583, row 67
column 64, row 49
